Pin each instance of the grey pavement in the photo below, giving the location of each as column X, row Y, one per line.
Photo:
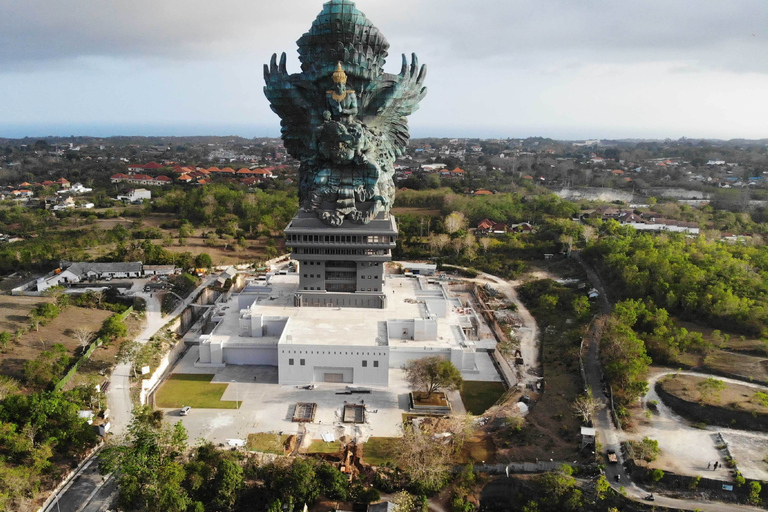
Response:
column 79, row 490
column 268, row 406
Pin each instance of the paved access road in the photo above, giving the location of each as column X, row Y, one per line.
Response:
column 89, row 491
column 119, row 392
column 609, row 433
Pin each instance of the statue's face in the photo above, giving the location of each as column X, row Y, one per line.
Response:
column 340, row 87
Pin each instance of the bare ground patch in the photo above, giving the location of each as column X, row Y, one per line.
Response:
column 734, row 396
column 14, row 311
column 60, row 330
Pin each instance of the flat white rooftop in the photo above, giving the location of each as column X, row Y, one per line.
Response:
column 340, row 326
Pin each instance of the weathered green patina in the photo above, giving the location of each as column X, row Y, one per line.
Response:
column 342, row 116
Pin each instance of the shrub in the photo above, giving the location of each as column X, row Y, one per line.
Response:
column 656, row 475
column 695, row 482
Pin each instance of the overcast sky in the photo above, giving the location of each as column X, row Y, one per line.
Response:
column 499, row 68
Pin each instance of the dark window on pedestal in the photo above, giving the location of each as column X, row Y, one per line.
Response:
column 290, row 362
column 301, row 362
column 375, row 364
column 365, row 363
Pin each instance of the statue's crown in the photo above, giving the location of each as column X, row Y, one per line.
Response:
column 339, row 75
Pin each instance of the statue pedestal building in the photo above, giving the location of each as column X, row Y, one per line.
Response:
column 341, row 266
column 345, row 120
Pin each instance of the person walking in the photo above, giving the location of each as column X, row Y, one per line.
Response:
column 717, row 463
column 709, row 465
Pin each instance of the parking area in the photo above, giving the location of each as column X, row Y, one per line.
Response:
column 269, row 407
column 749, row 449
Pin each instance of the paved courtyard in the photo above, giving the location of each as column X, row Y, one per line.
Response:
column 268, row 407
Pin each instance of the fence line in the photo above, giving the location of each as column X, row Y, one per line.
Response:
column 91, row 348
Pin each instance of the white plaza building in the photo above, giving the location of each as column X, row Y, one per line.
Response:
column 262, row 326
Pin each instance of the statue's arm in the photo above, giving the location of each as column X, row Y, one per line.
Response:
column 352, row 110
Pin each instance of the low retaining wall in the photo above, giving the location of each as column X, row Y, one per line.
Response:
column 148, row 385
column 713, row 415
column 528, row 467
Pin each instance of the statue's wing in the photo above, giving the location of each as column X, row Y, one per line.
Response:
column 386, row 103
column 294, row 100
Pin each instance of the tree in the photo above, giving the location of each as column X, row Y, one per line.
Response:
column 150, row 472
column 454, row 222
column 228, row 482
column 601, row 487
column 647, row 449
column 8, row 386
column 586, row 405
column 458, row 245
column 5, row 338
column 406, row 502
column 581, row 306
column 334, row 483
column 83, row 335
column 439, row 242
column 203, row 260
column 48, row 366
column 432, row 374
column 424, row 458
column 760, row 398
column 47, row 311
column 656, row 475
column 710, row 389
column 60, row 298
column 113, row 328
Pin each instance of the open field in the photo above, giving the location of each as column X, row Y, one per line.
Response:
column 194, row 390
column 14, row 311
column 59, row 330
column 221, row 256
column 734, row 396
column 269, row 443
column 478, row 397
column 193, row 244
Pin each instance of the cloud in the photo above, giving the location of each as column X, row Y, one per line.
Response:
column 523, row 33
column 514, row 67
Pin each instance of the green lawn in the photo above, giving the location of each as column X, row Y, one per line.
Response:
column 269, row 443
column 478, row 397
column 320, row 446
column 377, row 450
column 194, row 390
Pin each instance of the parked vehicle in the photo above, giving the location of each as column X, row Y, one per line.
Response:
column 185, row 410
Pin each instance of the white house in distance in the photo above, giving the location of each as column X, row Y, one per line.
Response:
column 77, row 188
column 136, row 195
column 261, row 326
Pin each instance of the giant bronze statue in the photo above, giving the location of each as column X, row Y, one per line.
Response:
column 342, row 117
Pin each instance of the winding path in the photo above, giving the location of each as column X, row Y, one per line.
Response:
column 611, row 435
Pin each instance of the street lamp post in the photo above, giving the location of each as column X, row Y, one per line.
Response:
column 237, row 403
